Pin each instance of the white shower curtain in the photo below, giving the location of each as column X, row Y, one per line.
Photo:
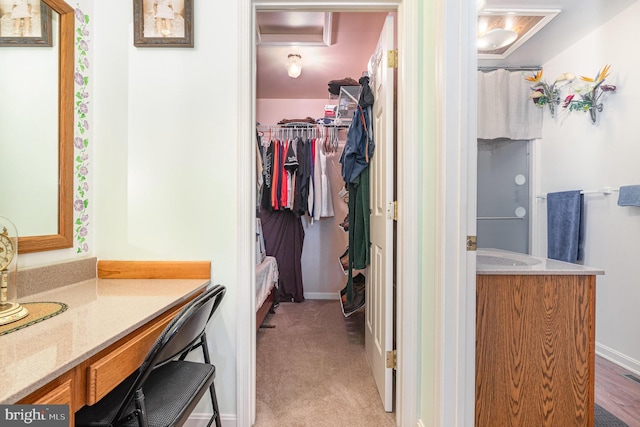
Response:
column 504, row 107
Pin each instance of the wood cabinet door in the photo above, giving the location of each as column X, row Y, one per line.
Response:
column 535, row 350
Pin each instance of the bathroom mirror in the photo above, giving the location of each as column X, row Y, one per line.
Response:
column 37, row 172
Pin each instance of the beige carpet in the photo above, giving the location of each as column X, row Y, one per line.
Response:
column 311, row 369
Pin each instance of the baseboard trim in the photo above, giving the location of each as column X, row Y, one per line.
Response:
column 201, row 420
column 321, row 295
column 618, row 358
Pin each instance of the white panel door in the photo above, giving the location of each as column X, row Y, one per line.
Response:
column 379, row 287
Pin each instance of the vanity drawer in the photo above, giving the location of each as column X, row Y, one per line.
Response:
column 57, row 392
column 60, row 395
column 110, row 367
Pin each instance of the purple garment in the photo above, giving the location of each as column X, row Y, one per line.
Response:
column 283, row 239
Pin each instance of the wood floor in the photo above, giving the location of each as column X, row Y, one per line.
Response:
column 616, row 393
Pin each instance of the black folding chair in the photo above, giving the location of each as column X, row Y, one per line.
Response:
column 166, row 388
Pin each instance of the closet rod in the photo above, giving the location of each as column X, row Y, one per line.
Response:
column 309, row 126
column 287, row 126
column 487, row 69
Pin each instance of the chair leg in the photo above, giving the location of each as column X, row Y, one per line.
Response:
column 142, row 409
column 205, row 348
column 212, row 390
column 214, row 402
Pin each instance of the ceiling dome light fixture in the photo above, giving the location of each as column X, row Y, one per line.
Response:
column 294, row 65
column 496, row 38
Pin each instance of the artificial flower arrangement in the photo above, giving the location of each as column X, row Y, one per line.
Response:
column 544, row 93
column 588, row 93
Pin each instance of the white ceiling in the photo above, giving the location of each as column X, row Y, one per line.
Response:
column 354, row 37
column 576, row 19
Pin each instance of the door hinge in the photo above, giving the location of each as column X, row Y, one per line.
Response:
column 392, row 210
column 392, row 58
column 472, row 243
column 392, row 359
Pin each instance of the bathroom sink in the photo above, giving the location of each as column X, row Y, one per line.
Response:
column 510, row 259
column 496, row 260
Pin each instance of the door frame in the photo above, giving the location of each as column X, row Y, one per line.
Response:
column 426, row 354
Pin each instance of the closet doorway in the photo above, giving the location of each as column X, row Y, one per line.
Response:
column 426, row 356
column 272, row 95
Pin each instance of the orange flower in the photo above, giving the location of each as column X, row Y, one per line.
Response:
column 602, row 74
column 536, row 77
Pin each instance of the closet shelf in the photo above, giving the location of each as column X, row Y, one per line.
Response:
column 297, row 125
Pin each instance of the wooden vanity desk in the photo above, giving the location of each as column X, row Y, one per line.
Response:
column 112, row 321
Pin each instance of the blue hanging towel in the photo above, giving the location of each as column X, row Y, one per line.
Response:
column 629, row 195
column 565, row 228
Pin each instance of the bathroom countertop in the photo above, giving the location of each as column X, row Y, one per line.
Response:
column 99, row 313
column 496, row 261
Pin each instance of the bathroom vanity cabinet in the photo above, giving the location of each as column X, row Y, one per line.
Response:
column 535, row 344
column 80, row 355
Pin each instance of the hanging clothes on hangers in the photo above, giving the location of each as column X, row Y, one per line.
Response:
column 326, row 203
column 302, row 194
column 292, row 187
column 294, row 169
column 267, row 171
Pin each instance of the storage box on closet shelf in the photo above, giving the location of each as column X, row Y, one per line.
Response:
column 330, row 111
column 347, row 104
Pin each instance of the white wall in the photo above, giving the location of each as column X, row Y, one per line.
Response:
column 575, row 154
column 166, row 124
column 430, row 347
column 271, row 111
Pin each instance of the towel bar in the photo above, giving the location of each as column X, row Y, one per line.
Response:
column 606, row 191
column 498, row 217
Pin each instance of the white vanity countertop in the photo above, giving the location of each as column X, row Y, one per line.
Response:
column 496, row 261
column 99, row 313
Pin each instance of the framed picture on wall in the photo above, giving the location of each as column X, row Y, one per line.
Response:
column 25, row 23
column 162, row 23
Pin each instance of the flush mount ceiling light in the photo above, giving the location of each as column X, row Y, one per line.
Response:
column 497, row 26
column 496, row 38
column 294, row 65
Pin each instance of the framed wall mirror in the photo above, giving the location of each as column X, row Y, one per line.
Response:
column 36, row 174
